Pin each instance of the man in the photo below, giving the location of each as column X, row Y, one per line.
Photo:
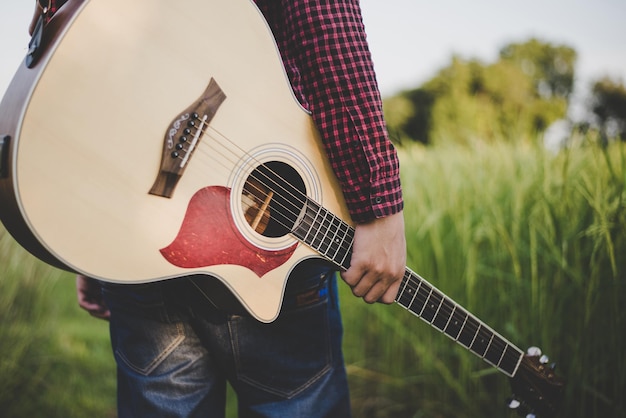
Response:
column 175, row 351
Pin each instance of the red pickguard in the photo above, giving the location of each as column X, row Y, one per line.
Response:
column 209, row 237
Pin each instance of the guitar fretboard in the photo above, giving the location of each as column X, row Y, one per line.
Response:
column 325, row 233
column 332, row 238
column 427, row 302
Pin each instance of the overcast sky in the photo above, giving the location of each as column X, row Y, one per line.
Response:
column 412, row 39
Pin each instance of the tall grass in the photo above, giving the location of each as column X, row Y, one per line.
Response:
column 54, row 360
column 532, row 243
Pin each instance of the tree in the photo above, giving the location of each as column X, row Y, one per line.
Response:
column 513, row 99
column 608, row 103
column 551, row 67
column 409, row 116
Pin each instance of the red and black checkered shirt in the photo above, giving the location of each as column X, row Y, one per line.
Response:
column 325, row 52
column 326, row 56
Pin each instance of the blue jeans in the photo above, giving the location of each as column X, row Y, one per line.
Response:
column 175, row 351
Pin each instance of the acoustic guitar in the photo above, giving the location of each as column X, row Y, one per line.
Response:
column 165, row 141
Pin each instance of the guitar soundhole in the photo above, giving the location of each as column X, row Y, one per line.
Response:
column 272, row 198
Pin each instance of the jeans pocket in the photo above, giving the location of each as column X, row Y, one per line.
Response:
column 286, row 356
column 144, row 332
column 141, row 344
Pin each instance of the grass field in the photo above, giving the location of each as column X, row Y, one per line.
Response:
column 532, row 243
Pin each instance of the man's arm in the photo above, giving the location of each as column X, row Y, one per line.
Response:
column 324, row 49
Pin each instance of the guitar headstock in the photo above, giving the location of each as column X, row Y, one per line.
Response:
column 537, row 390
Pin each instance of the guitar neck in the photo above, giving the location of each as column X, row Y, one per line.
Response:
column 332, row 238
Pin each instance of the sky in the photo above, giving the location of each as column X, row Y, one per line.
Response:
column 411, row 40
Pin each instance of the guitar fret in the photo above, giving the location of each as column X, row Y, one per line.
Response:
column 407, row 292
column 423, row 301
column 432, row 305
column 488, row 346
column 435, row 308
column 468, row 332
column 502, row 353
column 345, row 257
column 481, row 342
column 331, row 244
column 319, row 234
column 450, row 317
column 305, row 226
column 444, row 314
column 495, row 351
column 325, row 233
column 312, row 212
column 455, row 326
column 510, row 359
column 401, row 299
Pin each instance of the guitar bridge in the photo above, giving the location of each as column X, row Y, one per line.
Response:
column 183, row 137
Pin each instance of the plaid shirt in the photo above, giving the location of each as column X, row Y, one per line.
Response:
column 325, row 53
column 326, row 56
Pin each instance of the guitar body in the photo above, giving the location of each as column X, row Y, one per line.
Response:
column 88, row 132
column 153, row 140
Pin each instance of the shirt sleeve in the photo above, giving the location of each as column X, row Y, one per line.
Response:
column 324, row 48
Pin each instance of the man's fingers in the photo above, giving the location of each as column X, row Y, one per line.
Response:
column 373, row 287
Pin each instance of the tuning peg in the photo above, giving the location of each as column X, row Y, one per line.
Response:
column 544, row 359
column 553, row 367
column 513, row 403
column 533, row 351
column 522, row 410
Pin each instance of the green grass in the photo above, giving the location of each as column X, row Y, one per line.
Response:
column 532, row 243
column 57, row 359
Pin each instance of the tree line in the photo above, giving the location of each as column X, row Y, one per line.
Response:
column 516, row 98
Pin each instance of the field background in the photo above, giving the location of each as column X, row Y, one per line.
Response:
column 532, row 242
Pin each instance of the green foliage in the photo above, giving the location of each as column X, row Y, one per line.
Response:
column 535, row 245
column 513, row 99
column 609, row 105
column 408, row 116
column 550, row 67
column 532, row 243
column 54, row 360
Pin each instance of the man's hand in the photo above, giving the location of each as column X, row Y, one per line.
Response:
column 378, row 259
column 90, row 298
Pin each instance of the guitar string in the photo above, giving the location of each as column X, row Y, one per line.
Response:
column 250, row 164
column 422, row 295
column 447, row 307
column 471, row 324
column 277, row 185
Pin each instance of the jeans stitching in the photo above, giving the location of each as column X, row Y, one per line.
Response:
column 288, row 394
column 158, row 359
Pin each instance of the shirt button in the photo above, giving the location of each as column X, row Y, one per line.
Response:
column 378, row 200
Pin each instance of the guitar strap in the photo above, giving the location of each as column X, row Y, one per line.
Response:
column 43, row 6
